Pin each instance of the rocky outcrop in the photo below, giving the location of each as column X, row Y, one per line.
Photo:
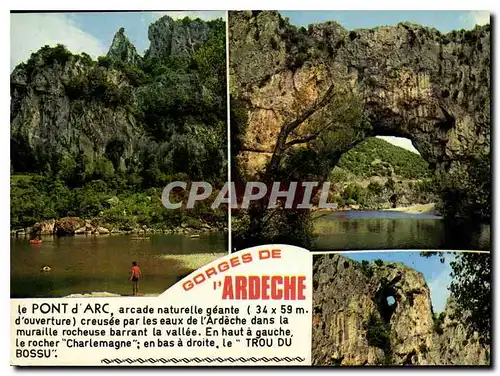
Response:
column 97, row 226
column 413, row 82
column 68, row 225
column 122, row 50
column 102, row 230
column 55, row 118
column 380, row 313
column 44, row 227
column 66, row 108
column 452, row 343
column 170, row 37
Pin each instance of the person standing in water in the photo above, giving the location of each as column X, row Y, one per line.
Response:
column 135, row 274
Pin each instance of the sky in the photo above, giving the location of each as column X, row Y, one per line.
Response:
column 436, row 274
column 93, row 32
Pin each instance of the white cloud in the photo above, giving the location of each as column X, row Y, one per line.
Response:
column 30, row 31
column 401, row 142
column 205, row 15
column 480, row 17
column 475, row 17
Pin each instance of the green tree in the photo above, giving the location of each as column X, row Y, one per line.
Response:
column 471, row 288
column 309, row 144
column 210, row 58
column 467, row 193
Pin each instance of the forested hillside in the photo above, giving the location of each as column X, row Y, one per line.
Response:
column 377, row 157
column 376, row 174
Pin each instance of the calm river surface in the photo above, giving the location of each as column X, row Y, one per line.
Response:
column 367, row 230
column 84, row 264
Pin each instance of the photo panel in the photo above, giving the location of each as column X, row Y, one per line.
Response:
column 361, row 130
column 114, row 115
column 250, row 188
column 399, row 308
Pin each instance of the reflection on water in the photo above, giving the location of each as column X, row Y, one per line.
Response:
column 395, row 230
column 81, row 264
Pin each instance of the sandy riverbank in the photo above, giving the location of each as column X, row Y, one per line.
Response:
column 417, row 209
column 412, row 209
column 195, row 260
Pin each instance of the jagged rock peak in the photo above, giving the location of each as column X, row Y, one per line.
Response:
column 171, row 37
column 123, row 50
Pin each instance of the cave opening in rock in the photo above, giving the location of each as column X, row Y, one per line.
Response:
column 386, row 300
column 114, row 151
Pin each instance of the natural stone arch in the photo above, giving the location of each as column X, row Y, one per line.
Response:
column 415, row 82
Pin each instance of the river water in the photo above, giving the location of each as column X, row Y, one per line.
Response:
column 84, row 264
column 370, row 230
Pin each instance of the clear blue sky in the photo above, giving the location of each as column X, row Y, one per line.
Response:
column 436, row 274
column 442, row 20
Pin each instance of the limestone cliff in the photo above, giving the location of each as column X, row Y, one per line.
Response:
column 67, row 107
column 170, row 37
column 122, row 50
column 414, row 82
column 356, row 323
column 53, row 113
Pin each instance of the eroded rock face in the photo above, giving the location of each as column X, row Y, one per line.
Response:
column 59, row 108
column 454, row 345
column 414, row 82
column 354, row 322
column 123, row 50
column 68, row 225
column 176, row 37
column 49, row 114
column 44, row 227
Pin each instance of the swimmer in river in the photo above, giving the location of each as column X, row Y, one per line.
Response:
column 135, row 274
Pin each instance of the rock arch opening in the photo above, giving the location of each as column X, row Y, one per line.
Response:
column 386, row 299
column 382, row 173
column 413, row 82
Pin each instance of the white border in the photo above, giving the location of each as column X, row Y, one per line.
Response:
column 202, row 5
